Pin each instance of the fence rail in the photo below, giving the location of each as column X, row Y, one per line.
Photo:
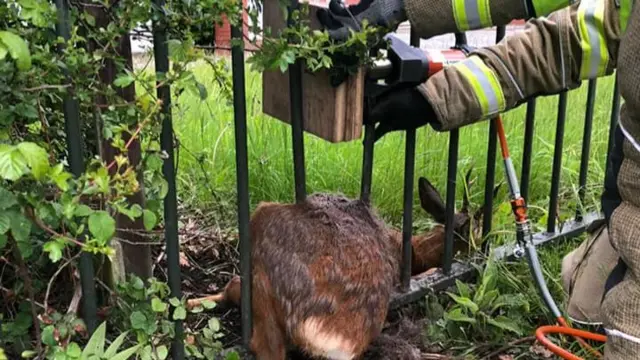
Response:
column 412, row 289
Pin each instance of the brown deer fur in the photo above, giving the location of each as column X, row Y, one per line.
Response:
column 324, row 271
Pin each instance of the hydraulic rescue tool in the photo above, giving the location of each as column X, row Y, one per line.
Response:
column 408, row 66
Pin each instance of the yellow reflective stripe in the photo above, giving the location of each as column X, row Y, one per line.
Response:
column 546, row 7
column 485, row 85
column 471, row 14
column 625, row 11
column 595, row 55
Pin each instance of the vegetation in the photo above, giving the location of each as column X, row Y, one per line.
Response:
column 109, row 213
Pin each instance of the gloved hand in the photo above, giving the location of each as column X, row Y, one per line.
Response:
column 340, row 20
column 399, row 110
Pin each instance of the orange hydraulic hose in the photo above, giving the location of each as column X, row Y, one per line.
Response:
column 563, row 327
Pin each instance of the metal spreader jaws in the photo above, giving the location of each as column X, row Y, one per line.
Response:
column 404, row 65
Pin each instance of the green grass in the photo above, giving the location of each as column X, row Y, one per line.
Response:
column 206, row 130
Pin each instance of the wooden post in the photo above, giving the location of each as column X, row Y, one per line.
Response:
column 331, row 113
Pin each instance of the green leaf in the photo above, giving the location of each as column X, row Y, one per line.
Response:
column 36, row 157
column 149, row 219
column 13, row 165
column 505, row 323
column 102, row 225
column 18, row 48
column 214, row 324
column 157, row 305
column 174, row 302
column 126, row 354
column 162, row 352
column 54, row 248
column 59, row 177
column 27, row 354
column 124, row 81
column 7, row 199
column 488, row 298
column 232, row 355
column 74, row 351
column 20, row 226
column 458, row 316
column 138, row 320
column 115, row 345
column 5, row 222
column 208, row 304
column 82, row 210
column 3, row 51
column 3, row 241
column 47, row 336
column 463, row 289
column 466, row 302
column 180, row 313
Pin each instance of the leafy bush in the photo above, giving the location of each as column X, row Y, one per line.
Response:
column 480, row 312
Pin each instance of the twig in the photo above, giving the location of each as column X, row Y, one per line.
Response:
column 434, row 357
column 46, row 87
column 509, row 346
column 55, row 275
column 133, row 137
column 11, row 292
column 44, row 227
column 28, row 286
column 75, row 301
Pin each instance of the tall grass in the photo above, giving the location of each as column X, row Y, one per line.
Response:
column 205, row 129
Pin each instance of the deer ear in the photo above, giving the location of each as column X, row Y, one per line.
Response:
column 431, row 200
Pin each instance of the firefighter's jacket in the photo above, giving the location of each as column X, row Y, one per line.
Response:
column 562, row 44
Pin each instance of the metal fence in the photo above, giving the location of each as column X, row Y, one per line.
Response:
column 411, row 289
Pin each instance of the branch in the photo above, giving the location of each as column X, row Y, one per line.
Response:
column 45, row 87
column 28, row 287
column 133, row 136
column 509, row 346
column 46, row 228
column 55, row 275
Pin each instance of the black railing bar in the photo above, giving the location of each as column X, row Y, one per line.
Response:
column 586, row 145
column 615, row 117
column 407, row 211
column 161, row 56
column 557, row 162
column 297, row 119
column 367, row 163
column 242, row 171
column 71, row 110
column 528, row 148
column 490, row 177
column 450, row 202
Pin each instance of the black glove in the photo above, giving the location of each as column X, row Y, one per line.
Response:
column 399, row 110
column 339, row 20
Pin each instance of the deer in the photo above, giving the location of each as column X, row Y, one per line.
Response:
column 324, row 271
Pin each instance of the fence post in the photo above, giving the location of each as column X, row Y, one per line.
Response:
column 615, row 115
column 242, row 171
column 297, row 118
column 452, row 169
column 161, row 57
column 586, row 146
column 76, row 163
column 528, row 148
column 490, row 178
column 407, row 211
column 557, row 162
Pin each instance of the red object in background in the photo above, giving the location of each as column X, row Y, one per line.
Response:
column 223, row 33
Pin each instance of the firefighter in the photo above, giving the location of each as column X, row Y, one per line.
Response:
column 562, row 44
